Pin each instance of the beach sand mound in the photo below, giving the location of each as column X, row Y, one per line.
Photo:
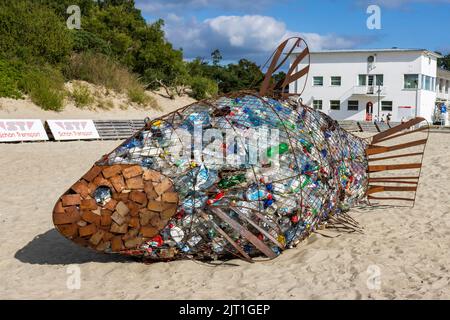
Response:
column 106, row 105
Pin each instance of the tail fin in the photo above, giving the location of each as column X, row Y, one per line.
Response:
column 395, row 161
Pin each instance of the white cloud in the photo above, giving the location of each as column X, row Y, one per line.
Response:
column 164, row 6
column 249, row 36
column 257, row 32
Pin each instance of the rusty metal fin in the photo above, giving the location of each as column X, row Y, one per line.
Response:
column 268, row 88
column 402, row 149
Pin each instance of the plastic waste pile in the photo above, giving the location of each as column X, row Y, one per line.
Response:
column 285, row 171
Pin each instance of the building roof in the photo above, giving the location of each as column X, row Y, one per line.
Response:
column 375, row 51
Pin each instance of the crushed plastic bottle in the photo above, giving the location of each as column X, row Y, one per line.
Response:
column 205, row 178
column 281, row 149
column 228, row 182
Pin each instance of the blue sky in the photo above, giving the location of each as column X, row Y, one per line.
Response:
column 252, row 29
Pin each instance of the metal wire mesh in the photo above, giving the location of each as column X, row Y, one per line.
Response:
column 285, row 171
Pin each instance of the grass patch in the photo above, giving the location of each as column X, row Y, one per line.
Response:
column 82, row 96
column 102, row 70
column 45, row 86
column 139, row 96
column 105, row 104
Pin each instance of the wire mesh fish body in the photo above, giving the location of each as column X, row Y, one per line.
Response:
column 267, row 175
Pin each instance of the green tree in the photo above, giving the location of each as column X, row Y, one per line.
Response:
column 444, row 62
column 216, row 57
column 60, row 6
column 140, row 46
column 33, row 33
column 279, row 76
column 245, row 75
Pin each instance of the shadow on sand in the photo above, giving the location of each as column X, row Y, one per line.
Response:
column 52, row 248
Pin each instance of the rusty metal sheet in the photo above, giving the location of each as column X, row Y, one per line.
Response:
column 261, row 246
column 261, row 230
column 395, row 167
column 378, row 189
column 227, row 237
column 396, row 129
column 391, row 198
column 379, row 149
column 397, row 156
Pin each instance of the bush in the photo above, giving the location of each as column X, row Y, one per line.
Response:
column 45, row 87
column 84, row 41
column 9, row 80
column 203, row 88
column 82, row 96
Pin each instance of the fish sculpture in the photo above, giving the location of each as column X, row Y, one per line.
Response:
column 245, row 175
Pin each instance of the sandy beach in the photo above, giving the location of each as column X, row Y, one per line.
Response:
column 406, row 249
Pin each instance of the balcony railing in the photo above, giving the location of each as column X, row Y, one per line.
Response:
column 443, row 95
column 369, row 90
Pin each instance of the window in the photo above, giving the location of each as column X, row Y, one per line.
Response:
column 386, row 105
column 411, row 81
column 335, row 105
column 353, row 105
column 317, row 104
column 427, row 83
column 362, row 80
column 447, row 84
column 335, row 81
column 318, row 81
column 379, row 79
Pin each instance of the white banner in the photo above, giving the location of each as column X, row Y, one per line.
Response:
column 22, row 130
column 73, row 129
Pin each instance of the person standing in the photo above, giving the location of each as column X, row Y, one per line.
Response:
column 388, row 118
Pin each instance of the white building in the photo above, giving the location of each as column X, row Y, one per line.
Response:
column 443, row 90
column 363, row 84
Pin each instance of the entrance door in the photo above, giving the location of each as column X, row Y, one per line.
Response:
column 369, row 111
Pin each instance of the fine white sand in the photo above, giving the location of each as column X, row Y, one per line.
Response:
column 407, row 248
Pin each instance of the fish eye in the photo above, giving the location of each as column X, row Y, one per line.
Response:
column 102, row 195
